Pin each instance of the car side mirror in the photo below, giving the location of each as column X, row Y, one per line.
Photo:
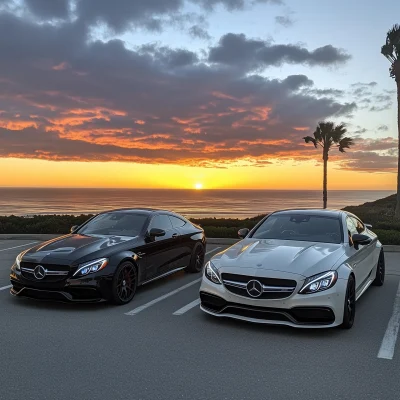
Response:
column 155, row 232
column 74, row 228
column 368, row 226
column 359, row 239
column 242, row 233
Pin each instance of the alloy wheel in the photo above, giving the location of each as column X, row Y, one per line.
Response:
column 126, row 283
column 199, row 259
column 381, row 268
column 351, row 302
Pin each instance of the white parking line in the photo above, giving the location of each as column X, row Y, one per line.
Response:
column 187, row 307
column 389, row 340
column 165, row 296
column 5, row 288
column 16, row 247
column 158, row 299
column 212, row 251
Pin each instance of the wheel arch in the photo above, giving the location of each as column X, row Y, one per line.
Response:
column 129, row 256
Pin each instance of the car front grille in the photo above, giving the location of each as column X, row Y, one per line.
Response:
column 54, row 273
column 271, row 288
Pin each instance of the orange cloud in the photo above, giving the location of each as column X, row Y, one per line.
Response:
column 60, row 67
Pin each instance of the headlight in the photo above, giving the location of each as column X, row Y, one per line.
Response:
column 318, row 283
column 212, row 273
column 18, row 261
column 91, row 267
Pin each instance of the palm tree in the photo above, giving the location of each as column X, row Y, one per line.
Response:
column 328, row 135
column 391, row 50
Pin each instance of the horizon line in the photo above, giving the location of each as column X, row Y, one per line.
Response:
column 191, row 189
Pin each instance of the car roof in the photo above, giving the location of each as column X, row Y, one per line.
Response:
column 143, row 210
column 320, row 212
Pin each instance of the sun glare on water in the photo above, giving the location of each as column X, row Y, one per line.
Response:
column 198, row 186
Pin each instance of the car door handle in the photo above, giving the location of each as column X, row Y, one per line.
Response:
column 174, row 236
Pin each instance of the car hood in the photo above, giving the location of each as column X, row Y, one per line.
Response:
column 278, row 258
column 65, row 249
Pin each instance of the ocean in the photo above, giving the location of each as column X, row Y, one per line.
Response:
column 190, row 203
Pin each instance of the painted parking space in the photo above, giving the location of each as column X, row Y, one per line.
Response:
column 193, row 355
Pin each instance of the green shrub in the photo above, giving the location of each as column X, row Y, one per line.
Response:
column 388, row 236
column 53, row 224
column 221, row 232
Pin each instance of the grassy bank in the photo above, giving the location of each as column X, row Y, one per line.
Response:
column 379, row 213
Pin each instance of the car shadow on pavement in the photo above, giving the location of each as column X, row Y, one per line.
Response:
column 245, row 326
column 51, row 305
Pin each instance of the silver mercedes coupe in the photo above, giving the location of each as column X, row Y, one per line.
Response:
column 304, row 268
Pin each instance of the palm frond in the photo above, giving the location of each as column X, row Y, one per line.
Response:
column 318, row 134
column 345, row 143
column 391, row 49
column 324, row 133
column 388, row 51
column 393, row 35
column 338, row 132
column 309, row 139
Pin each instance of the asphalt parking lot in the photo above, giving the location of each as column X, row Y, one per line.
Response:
column 161, row 346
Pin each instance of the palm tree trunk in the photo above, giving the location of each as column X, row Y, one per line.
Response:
column 325, row 181
column 397, row 212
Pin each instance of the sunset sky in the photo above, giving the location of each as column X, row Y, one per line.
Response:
column 179, row 93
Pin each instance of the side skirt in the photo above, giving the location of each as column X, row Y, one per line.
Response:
column 367, row 285
column 162, row 276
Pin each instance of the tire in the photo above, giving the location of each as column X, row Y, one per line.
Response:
column 197, row 259
column 124, row 284
column 349, row 304
column 380, row 270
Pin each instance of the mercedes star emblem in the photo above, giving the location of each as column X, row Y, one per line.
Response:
column 39, row 272
column 254, row 288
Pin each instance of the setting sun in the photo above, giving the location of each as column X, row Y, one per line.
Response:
column 198, row 186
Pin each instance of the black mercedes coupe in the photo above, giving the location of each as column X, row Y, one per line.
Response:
column 109, row 256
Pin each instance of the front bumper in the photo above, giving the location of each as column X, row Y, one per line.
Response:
column 90, row 289
column 318, row 310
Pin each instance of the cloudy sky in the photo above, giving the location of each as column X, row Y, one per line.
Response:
column 170, row 93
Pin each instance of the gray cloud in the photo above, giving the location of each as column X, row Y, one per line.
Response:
column 327, row 92
column 233, row 4
column 170, row 58
column 284, row 20
column 252, row 54
column 361, row 84
column 368, row 161
column 125, row 14
column 383, row 128
column 197, row 31
column 65, row 98
column 119, row 18
column 46, row 9
column 368, row 96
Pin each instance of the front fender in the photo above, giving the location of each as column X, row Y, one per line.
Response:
column 344, row 271
column 117, row 259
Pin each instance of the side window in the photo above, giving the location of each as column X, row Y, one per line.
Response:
column 161, row 222
column 351, row 227
column 358, row 224
column 177, row 222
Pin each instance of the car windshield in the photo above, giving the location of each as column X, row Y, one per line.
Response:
column 310, row 228
column 115, row 224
